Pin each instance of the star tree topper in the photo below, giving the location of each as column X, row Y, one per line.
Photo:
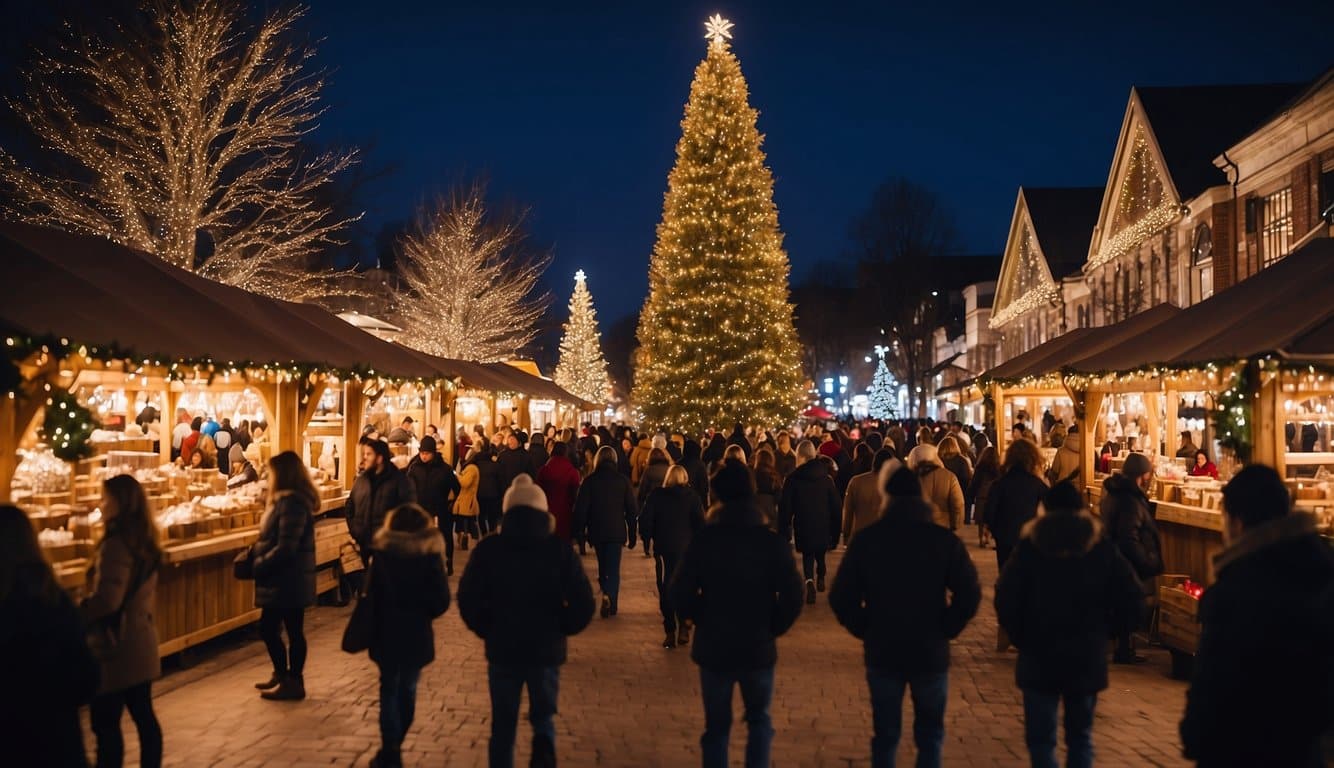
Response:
column 719, row 30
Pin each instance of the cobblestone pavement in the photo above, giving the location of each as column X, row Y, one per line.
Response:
column 625, row 701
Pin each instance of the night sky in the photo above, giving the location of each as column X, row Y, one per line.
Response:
column 573, row 110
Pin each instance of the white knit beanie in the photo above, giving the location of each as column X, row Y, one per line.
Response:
column 524, row 492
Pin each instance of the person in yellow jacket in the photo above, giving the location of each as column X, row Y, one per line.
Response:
column 466, row 507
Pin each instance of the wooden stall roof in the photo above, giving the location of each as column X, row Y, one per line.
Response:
column 1279, row 310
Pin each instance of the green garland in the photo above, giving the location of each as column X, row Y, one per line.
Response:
column 1231, row 414
column 68, row 427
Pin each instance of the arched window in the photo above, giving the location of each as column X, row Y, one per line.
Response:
column 1202, row 263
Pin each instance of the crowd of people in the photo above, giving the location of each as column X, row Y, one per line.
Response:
column 739, row 525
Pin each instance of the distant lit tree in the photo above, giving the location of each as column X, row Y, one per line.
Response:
column 582, row 369
column 470, row 283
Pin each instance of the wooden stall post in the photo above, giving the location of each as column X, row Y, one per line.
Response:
column 9, row 457
column 525, row 415
column 1267, row 424
column 1092, row 410
column 354, row 403
column 998, row 413
column 1153, row 403
column 1172, row 440
column 451, row 397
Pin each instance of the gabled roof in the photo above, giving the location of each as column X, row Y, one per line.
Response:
column 1063, row 220
column 1194, row 124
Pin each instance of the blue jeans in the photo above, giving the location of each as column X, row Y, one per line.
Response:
column 507, row 684
column 398, row 704
column 929, row 693
column 609, row 569
column 757, row 691
column 1040, row 728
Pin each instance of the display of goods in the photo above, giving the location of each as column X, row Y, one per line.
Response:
column 42, row 472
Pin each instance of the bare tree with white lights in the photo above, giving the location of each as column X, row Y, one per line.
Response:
column 185, row 135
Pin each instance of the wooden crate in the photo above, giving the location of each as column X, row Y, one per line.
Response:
column 1178, row 620
column 330, row 536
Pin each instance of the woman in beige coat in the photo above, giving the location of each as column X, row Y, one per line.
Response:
column 863, row 503
column 1065, row 465
column 119, row 611
column 939, row 486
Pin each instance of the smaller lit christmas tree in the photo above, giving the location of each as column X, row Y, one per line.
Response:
column 882, row 389
column 582, row 369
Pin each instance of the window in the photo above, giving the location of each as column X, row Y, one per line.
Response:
column 1276, row 226
column 1202, row 263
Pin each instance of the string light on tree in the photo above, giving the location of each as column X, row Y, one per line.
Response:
column 582, row 369
column 471, row 283
column 882, row 405
column 716, row 333
column 186, row 140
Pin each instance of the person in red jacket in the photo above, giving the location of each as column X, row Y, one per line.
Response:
column 559, row 479
column 1203, row 467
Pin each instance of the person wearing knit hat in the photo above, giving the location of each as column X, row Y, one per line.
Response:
column 239, row 469
column 1127, row 517
column 738, row 584
column 524, row 592
column 905, row 588
column 437, row 488
column 1062, row 593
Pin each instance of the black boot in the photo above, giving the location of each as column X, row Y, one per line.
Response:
column 683, row 634
column 606, row 606
column 463, row 542
column 449, row 566
column 819, row 583
column 670, row 640
column 544, row 753
column 810, row 592
column 387, row 759
column 292, row 688
column 272, row 682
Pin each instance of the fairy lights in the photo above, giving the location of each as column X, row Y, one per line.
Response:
column 1143, row 206
column 1027, row 284
column 582, row 370
column 190, row 147
column 716, row 332
column 470, row 285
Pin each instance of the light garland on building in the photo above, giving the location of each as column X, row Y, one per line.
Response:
column 1030, row 281
column 717, row 338
column 1143, row 207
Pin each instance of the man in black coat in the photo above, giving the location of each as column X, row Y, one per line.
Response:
column 694, row 465
column 890, row 592
column 537, row 454
column 523, row 592
column 605, row 514
column 1263, row 685
column 1064, row 591
column 514, row 461
column 437, row 486
column 808, row 504
column 1127, row 517
column 738, row 584
column 380, row 487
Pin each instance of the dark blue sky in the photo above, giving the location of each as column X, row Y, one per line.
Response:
column 573, row 109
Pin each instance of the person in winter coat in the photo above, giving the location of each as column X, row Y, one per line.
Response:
column 524, row 592
column 889, row 592
column 605, row 513
column 1202, row 467
column 768, row 486
column 283, row 563
column 713, row 454
column 953, row 457
column 537, row 455
column 1127, row 518
column 122, row 597
column 738, row 438
column 514, row 461
column 437, row 487
column 808, row 502
column 380, row 487
column 490, row 489
column 1064, row 591
column 940, row 487
column 409, row 589
column 1013, row 498
column 467, row 509
column 1261, row 691
column 739, row 586
column 694, row 465
column 975, row 496
column 1065, row 466
column 785, row 460
column 651, row 479
column 44, row 658
column 672, row 515
column 559, row 480
column 864, row 501
column 191, row 440
column 639, row 457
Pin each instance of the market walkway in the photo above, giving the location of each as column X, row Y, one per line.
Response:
column 627, row 702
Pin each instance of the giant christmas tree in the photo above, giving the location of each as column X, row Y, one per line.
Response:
column 717, row 343
column 582, row 369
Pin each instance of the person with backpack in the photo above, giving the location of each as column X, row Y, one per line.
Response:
column 524, row 592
